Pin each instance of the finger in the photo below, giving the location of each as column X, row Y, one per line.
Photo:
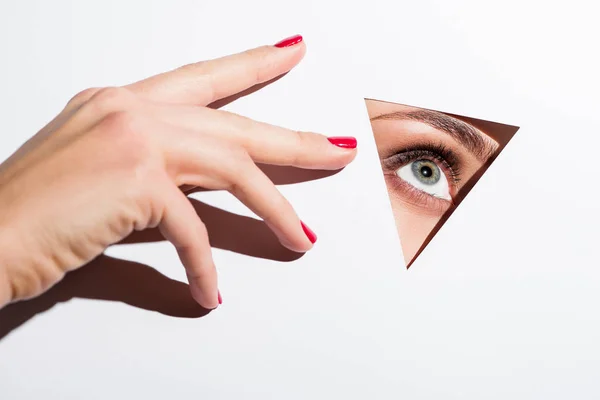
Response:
column 266, row 144
column 253, row 188
column 192, row 159
column 181, row 226
column 207, row 81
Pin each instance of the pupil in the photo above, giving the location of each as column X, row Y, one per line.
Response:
column 426, row 171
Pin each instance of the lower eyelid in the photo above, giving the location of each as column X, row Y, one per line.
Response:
column 450, row 176
column 416, row 197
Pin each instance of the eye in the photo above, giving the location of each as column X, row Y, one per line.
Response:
column 426, row 176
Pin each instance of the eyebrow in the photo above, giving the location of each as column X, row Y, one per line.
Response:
column 465, row 134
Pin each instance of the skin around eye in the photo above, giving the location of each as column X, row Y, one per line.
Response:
column 425, row 170
column 426, row 176
column 420, row 181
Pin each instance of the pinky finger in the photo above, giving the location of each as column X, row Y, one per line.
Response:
column 182, row 227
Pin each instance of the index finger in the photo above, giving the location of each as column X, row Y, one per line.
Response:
column 204, row 82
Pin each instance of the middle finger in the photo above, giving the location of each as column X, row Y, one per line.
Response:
column 265, row 143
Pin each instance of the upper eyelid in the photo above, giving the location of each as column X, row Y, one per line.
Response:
column 392, row 162
column 431, row 146
column 472, row 139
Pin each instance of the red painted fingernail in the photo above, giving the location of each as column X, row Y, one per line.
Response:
column 220, row 298
column 346, row 142
column 287, row 42
column 309, row 234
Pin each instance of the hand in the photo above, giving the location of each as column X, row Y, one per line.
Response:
column 115, row 159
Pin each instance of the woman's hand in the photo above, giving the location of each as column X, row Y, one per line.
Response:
column 115, row 159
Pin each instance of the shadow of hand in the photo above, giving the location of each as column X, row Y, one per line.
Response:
column 137, row 285
column 110, row 279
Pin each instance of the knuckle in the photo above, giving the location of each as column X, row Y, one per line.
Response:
column 301, row 144
column 259, row 53
column 262, row 60
column 195, row 68
column 198, row 274
column 82, row 97
column 123, row 131
column 112, row 93
column 111, row 99
column 198, row 233
column 245, row 124
column 201, row 229
column 280, row 205
column 307, row 141
column 142, row 190
column 239, row 168
column 200, row 72
column 304, row 139
column 121, row 123
column 201, row 75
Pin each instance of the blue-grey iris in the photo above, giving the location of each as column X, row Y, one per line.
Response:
column 426, row 172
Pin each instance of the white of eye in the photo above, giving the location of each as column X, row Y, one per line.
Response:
column 427, row 177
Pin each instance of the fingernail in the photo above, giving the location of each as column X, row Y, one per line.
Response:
column 346, row 142
column 220, row 298
column 287, row 42
column 309, row 233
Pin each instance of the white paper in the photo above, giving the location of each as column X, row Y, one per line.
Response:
column 502, row 303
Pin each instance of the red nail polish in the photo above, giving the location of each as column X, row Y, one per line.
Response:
column 287, row 42
column 346, row 142
column 309, row 234
column 220, row 298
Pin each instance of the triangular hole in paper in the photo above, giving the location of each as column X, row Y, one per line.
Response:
column 430, row 160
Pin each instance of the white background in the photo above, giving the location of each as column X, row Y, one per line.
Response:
column 503, row 303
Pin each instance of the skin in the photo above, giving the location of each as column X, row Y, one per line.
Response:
column 115, row 161
column 416, row 217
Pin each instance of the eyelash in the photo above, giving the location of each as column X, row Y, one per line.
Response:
column 443, row 156
column 432, row 151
